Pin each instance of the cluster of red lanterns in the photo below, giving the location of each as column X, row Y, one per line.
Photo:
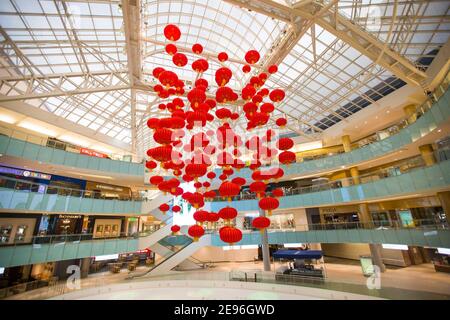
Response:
column 193, row 161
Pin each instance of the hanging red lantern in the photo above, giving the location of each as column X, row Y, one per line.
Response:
column 222, row 56
column 163, row 136
column 155, row 180
column 248, row 92
column 161, row 154
column 277, row 193
column 285, row 143
column 277, row 95
column 252, row 57
column 168, row 78
column 223, row 76
column 246, row 68
column 164, row 208
column 229, row 190
column 286, row 157
column 281, row 122
column 172, row 32
column 196, row 97
column 179, row 59
column 258, row 187
column 230, row 235
column 223, row 113
column 213, row 217
column 200, row 65
column 267, row 108
column 175, row 229
column 157, row 71
column 196, row 232
column 228, row 213
column 261, row 223
column 272, row 69
column 176, row 208
column 153, row 123
column 196, row 200
column 197, row 48
column 239, row 181
column 206, row 184
column 196, row 170
column 210, row 195
column 201, row 216
column 268, row 204
column 171, row 49
column 150, row 165
column 211, row 175
column 250, row 108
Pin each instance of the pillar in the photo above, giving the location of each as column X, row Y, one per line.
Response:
column 84, row 268
column 444, row 198
column 354, row 173
column 364, row 215
column 346, row 143
column 410, row 112
column 265, row 245
column 375, row 252
column 427, row 154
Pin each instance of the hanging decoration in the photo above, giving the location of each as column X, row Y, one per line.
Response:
column 196, row 138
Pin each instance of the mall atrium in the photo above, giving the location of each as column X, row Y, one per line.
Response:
column 238, row 149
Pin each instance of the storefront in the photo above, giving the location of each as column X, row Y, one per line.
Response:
column 65, row 224
column 345, row 215
column 17, row 228
column 107, row 191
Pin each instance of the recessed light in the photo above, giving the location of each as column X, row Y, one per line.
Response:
column 439, row 130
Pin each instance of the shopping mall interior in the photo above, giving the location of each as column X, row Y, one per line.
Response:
column 197, row 150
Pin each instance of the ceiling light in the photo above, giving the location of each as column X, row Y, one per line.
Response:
column 91, row 175
column 36, row 128
column 6, row 118
column 74, row 140
column 395, row 246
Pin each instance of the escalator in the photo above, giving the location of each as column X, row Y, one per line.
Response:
column 177, row 250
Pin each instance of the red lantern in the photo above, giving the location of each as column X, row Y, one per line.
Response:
column 157, row 71
column 196, row 170
column 163, row 136
column 252, row 57
column 223, row 113
column 196, row 232
column 267, row 108
column 200, row 65
column 272, row 69
column 248, row 92
column 164, row 208
column 286, row 157
column 268, row 204
column 155, row 180
column 176, row 208
column 201, row 216
column 179, row 59
column 211, row 175
column 172, row 32
column 150, row 165
column 258, row 187
column 222, row 56
column 153, row 123
column 277, row 193
column 223, row 76
column 239, row 181
column 281, row 122
column 261, row 223
column 196, row 200
column 168, row 78
column 230, row 235
column 175, row 229
column 196, row 96
column 246, row 68
column 197, row 48
column 277, row 95
column 285, row 143
column 213, row 217
column 171, row 49
column 210, row 194
column 250, row 108
column 227, row 213
column 161, row 154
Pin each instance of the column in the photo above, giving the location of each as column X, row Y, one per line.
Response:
column 265, row 245
column 444, row 198
column 427, row 153
column 364, row 215
column 346, row 143
column 84, row 268
column 354, row 173
column 375, row 252
column 410, row 112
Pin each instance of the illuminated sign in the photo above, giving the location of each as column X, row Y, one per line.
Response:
column 92, row 153
column 25, row 173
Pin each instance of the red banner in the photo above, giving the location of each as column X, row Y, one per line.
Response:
column 92, row 153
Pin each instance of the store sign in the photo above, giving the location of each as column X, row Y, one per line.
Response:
column 93, row 153
column 25, row 173
column 111, row 188
column 69, row 216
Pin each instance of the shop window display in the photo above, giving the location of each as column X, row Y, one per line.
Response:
column 5, row 233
